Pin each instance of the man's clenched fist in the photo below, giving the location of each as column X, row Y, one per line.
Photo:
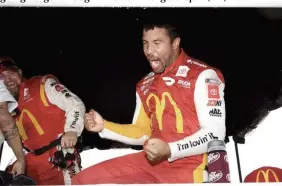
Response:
column 94, row 121
column 156, row 150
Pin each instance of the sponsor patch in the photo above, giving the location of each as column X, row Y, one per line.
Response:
column 212, row 81
column 182, row 71
column 213, row 91
column 215, row 113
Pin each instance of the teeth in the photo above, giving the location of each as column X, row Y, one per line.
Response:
column 155, row 63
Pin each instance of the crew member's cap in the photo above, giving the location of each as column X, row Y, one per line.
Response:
column 7, row 63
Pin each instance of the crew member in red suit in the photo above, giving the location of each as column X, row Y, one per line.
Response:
column 50, row 120
column 179, row 109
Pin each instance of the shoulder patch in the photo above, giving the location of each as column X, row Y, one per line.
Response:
column 213, row 81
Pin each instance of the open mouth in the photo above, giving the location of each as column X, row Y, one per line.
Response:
column 155, row 64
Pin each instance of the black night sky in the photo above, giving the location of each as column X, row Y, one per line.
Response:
column 97, row 53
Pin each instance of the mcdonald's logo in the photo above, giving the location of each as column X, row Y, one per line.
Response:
column 34, row 122
column 161, row 105
column 266, row 175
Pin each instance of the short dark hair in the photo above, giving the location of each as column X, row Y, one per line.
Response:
column 172, row 31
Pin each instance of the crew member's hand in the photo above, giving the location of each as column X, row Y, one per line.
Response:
column 94, row 121
column 69, row 139
column 156, row 150
column 18, row 168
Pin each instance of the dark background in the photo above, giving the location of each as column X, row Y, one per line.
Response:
column 97, row 53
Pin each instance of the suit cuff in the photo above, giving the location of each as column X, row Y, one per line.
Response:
column 174, row 152
column 102, row 133
column 72, row 130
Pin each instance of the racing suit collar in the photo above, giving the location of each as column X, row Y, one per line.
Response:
column 176, row 63
column 21, row 91
column 23, row 82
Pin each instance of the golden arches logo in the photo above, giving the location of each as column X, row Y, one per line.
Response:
column 161, row 105
column 265, row 175
column 34, row 122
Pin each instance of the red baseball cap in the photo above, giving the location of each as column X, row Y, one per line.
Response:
column 7, row 63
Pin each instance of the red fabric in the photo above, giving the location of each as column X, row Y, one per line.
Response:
column 175, row 101
column 264, row 174
column 183, row 97
column 135, row 168
column 50, row 118
column 41, row 170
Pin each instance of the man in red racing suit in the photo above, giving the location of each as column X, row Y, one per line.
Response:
column 50, row 120
column 179, row 109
